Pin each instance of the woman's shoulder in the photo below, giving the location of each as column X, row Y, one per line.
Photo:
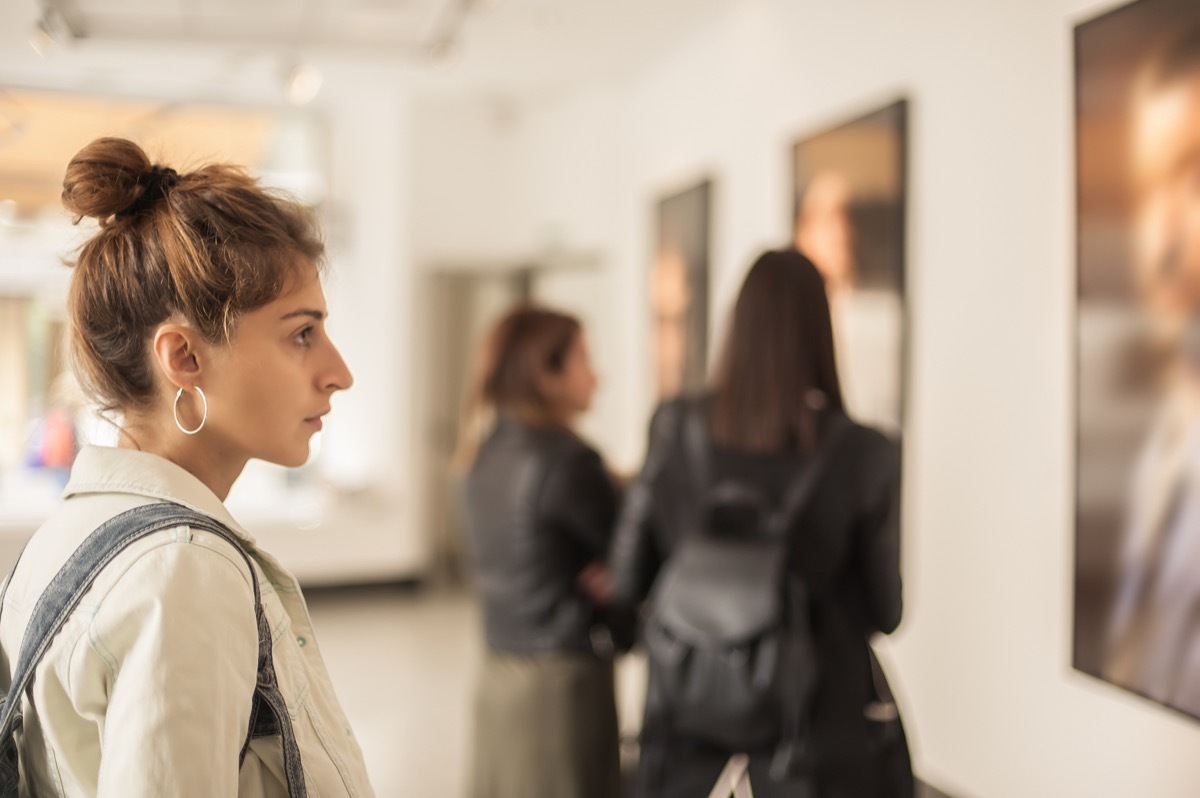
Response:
column 174, row 573
column 870, row 440
column 567, row 449
column 871, row 453
column 187, row 541
column 669, row 414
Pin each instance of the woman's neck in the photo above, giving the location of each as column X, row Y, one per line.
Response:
column 543, row 418
column 218, row 470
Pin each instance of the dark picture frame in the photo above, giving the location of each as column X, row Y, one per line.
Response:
column 1135, row 324
column 679, row 290
column 848, row 215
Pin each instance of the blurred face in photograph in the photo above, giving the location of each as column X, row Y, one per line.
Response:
column 670, row 296
column 1166, row 165
column 824, row 232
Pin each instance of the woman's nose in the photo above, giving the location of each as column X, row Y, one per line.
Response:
column 339, row 377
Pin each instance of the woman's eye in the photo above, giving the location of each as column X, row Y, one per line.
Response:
column 303, row 336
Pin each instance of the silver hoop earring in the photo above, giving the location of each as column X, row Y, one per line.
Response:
column 203, row 417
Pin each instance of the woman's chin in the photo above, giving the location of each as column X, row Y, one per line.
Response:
column 289, row 459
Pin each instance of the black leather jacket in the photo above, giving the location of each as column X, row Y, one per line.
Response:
column 539, row 507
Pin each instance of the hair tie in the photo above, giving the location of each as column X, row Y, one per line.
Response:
column 155, row 185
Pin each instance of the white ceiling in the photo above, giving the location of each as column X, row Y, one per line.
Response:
column 389, row 27
column 41, row 131
column 236, row 49
column 187, row 67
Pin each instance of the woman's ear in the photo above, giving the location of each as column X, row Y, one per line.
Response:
column 179, row 353
column 549, row 386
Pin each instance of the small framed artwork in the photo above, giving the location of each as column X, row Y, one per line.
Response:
column 848, row 217
column 678, row 290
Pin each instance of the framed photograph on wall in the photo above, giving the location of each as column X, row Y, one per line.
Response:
column 1137, row 538
column 678, row 290
column 848, row 217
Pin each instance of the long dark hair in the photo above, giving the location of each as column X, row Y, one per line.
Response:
column 525, row 345
column 777, row 374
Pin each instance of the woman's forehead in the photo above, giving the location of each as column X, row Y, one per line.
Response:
column 303, row 289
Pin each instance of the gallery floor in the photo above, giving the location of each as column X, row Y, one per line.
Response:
column 403, row 660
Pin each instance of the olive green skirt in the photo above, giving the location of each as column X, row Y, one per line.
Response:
column 545, row 727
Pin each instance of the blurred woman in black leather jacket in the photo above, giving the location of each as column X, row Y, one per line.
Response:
column 540, row 509
column 774, row 398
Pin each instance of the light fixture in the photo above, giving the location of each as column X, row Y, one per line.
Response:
column 301, row 84
column 42, row 38
column 444, row 52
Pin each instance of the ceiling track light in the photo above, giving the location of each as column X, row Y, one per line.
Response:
column 42, row 37
column 444, row 51
column 301, row 83
column 54, row 28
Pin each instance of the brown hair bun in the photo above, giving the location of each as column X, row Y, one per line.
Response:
column 104, row 178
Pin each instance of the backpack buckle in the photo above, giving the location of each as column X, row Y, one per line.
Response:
column 788, row 760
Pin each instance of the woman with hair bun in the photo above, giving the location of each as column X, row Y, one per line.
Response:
column 540, row 509
column 184, row 662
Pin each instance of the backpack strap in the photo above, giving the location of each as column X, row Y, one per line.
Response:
column 697, row 449
column 268, row 714
column 804, row 486
column 697, row 441
column 734, row 779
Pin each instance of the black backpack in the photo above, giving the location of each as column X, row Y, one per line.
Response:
column 728, row 633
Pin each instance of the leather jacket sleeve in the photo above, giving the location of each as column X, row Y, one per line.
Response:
column 635, row 558
column 878, row 543
column 580, row 498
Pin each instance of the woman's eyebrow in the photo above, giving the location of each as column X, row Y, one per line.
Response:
column 318, row 315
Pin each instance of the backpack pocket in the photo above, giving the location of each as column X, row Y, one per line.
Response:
column 715, row 639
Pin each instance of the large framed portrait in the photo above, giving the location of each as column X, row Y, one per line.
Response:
column 1137, row 564
column 679, row 282
column 848, row 217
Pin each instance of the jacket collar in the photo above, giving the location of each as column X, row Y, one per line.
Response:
column 105, row 469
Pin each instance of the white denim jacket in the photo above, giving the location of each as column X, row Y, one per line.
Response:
column 147, row 689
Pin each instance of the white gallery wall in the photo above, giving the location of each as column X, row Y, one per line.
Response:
column 371, row 293
column 362, row 524
column 982, row 662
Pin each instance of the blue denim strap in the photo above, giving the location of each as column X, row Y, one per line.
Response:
column 268, row 711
